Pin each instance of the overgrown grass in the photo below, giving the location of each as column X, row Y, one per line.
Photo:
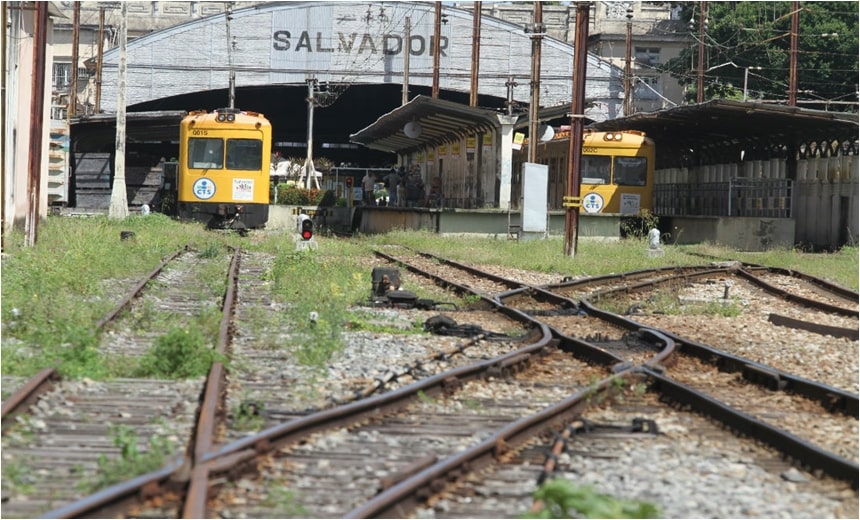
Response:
column 562, row 499
column 53, row 293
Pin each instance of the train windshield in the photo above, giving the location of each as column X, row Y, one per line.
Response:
column 205, row 153
column 244, row 154
column 595, row 169
column 631, row 171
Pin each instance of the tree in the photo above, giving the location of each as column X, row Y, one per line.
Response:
column 748, row 35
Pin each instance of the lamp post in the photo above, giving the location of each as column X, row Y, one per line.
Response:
column 746, row 78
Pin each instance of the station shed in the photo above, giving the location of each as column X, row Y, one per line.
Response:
column 753, row 175
column 748, row 175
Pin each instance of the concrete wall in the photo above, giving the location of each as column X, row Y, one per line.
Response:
column 741, row 233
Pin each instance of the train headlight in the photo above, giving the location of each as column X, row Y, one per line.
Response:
column 220, row 118
column 231, row 118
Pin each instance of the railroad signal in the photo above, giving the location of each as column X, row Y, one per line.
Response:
column 349, row 182
column 306, row 227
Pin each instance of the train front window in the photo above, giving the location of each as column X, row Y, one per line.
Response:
column 244, row 154
column 594, row 169
column 205, row 152
column 631, row 171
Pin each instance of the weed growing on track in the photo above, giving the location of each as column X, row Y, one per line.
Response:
column 131, row 462
column 562, row 499
column 179, row 354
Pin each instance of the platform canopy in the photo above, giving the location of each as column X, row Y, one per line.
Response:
column 720, row 129
column 425, row 122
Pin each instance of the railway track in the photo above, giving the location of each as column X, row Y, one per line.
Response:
column 454, row 427
column 64, row 427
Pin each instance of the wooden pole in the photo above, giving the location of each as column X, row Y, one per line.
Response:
column 577, row 110
column 37, row 117
column 534, row 105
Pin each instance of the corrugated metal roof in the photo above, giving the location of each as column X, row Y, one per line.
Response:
column 718, row 122
column 441, row 122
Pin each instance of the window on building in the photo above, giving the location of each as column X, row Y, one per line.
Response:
column 647, row 87
column 62, row 75
column 649, row 56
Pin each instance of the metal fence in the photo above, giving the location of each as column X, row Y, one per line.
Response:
column 738, row 197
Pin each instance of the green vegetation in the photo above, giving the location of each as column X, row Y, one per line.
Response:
column 131, row 462
column 53, row 293
column 18, row 478
column 284, row 501
column 562, row 499
column 179, row 354
column 749, row 44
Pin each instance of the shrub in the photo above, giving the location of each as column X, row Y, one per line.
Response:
column 291, row 195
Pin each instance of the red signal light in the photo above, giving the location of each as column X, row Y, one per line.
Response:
column 307, row 228
column 349, row 182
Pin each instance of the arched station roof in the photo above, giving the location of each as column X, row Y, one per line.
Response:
column 343, row 44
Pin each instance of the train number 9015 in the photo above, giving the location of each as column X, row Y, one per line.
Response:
column 200, row 132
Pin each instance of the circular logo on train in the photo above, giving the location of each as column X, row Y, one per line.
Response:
column 592, row 203
column 203, row 188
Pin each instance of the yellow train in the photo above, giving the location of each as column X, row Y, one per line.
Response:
column 616, row 172
column 223, row 173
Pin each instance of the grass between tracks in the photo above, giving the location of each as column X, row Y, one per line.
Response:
column 54, row 292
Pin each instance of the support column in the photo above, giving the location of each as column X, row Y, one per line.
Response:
column 506, row 138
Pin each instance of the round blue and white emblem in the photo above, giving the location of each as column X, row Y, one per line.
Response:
column 203, row 188
column 592, row 203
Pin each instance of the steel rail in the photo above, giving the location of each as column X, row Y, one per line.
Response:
column 131, row 295
column 113, row 501
column 802, row 300
column 817, row 328
column 43, row 381
column 833, row 399
column 399, row 500
column 29, row 392
column 819, row 282
column 176, row 476
column 290, row 431
column 623, row 277
column 195, row 499
column 513, row 284
column 799, row 449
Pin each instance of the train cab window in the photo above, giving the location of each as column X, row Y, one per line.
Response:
column 244, row 154
column 594, row 169
column 205, row 153
column 631, row 171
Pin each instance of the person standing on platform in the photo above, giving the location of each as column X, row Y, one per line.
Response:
column 391, row 181
column 367, row 184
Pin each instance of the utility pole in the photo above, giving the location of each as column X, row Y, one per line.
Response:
column 228, row 15
column 437, row 29
column 534, row 106
column 73, row 85
column 700, row 76
column 97, row 107
column 407, row 50
column 627, row 76
column 792, row 67
column 476, row 54
column 37, row 118
column 473, row 95
column 119, row 197
column 577, row 109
